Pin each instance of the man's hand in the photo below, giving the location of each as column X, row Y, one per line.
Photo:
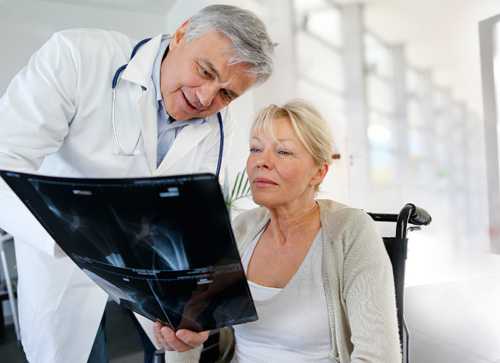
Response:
column 181, row 340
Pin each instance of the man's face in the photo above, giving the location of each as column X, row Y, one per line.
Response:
column 196, row 78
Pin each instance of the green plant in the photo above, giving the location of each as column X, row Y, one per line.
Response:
column 240, row 189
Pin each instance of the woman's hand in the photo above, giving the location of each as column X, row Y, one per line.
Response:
column 181, row 340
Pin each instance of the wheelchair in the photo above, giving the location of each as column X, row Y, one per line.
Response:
column 219, row 347
column 397, row 248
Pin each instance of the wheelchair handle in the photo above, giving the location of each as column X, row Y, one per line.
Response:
column 413, row 215
column 409, row 214
column 419, row 216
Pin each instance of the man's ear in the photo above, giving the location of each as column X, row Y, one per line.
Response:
column 179, row 34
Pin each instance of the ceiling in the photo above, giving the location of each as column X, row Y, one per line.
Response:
column 143, row 6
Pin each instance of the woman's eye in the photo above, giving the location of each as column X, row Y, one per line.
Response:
column 284, row 152
column 254, row 150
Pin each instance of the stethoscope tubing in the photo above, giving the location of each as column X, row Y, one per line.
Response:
column 114, row 84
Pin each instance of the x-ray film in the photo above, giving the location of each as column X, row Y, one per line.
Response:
column 162, row 247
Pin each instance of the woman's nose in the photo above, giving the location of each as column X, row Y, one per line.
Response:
column 264, row 160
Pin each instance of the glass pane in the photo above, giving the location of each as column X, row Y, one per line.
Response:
column 378, row 57
column 415, row 82
column 441, row 100
column 305, row 6
column 326, row 24
column 321, row 96
column 418, row 143
column 319, row 63
column 381, row 132
column 380, row 94
column 422, row 173
column 439, row 124
column 496, row 68
column 383, row 166
column 415, row 114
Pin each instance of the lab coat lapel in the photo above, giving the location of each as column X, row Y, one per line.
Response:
column 139, row 71
column 187, row 140
column 139, row 68
column 148, row 111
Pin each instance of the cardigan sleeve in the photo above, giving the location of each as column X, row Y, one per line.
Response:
column 369, row 294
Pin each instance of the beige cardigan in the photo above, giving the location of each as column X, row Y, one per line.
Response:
column 358, row 282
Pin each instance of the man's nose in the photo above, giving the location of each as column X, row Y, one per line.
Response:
column 206, row 94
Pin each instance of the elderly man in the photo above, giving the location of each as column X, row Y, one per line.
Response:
column 94, row 103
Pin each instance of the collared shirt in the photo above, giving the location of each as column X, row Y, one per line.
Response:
column 168, row 128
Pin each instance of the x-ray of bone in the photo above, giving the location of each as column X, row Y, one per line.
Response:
column 162, row 247
column 80, row 225
column 162, row 238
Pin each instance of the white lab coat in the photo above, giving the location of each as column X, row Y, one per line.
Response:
column 55, row 118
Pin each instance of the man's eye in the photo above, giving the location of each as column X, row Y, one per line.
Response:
column 203, row 72
column 226, row 96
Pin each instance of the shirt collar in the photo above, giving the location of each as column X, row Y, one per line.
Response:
column 155, row 74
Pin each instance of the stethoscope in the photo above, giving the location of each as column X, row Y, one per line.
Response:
column 114, row 84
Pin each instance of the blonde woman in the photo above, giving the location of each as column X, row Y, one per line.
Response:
column 318, row 271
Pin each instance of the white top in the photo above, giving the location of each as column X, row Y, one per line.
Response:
column 293, row 321
column 358, row 283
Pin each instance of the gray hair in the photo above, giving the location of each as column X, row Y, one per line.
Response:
column 246, row 31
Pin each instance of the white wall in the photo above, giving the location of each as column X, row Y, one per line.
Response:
column 25, row 25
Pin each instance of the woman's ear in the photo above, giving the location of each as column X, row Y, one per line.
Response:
column 317, row 178
column 179, row 34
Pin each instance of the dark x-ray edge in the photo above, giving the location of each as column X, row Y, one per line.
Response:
column 188, row 274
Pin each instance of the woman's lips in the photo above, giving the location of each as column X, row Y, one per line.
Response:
column 264, row 182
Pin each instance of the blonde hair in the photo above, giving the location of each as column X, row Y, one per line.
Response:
column 310, row 127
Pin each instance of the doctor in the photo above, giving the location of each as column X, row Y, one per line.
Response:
column 94, row 103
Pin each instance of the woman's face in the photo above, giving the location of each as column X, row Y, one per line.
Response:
column 280, row 169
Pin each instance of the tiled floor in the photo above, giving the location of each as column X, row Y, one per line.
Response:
column 457, row 320
column 123, row 342
column 129, row 358
column 10, row 351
